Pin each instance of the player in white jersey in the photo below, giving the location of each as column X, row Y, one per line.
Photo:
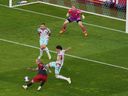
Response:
column 44, row 34
column 59, row 63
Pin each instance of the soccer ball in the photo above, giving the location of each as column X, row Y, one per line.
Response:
column 26, row 79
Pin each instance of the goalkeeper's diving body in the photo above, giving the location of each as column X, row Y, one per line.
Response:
column 74, row 15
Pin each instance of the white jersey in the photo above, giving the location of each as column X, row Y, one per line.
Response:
column 61, row 61
column 44, row 33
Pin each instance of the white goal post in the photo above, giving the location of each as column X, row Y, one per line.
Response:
column 10, row 3
column 23, row 2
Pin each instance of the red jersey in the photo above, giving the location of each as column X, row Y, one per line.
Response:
column 75, row 13
column 41, row 69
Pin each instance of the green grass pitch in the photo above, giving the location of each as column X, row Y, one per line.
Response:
column 88, row 78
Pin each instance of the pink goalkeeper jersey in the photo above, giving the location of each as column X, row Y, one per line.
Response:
column 75, row 13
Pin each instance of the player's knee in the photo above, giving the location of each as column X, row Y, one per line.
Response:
column 65, row 23
column 80, row 23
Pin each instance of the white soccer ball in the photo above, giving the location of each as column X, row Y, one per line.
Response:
column 26, row 79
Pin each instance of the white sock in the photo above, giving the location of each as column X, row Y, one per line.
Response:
column 41, row 53
column 48, row 53
column 61, row 77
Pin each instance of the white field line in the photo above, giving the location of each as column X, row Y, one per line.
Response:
column 57, row 17
column 73, row 56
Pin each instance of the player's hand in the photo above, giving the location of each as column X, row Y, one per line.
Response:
column 83, row 17
column 68, row 49
column 67, row 14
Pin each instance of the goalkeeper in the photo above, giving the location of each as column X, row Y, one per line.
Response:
column 74, row 15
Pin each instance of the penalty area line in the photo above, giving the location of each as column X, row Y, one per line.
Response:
column 73, row 56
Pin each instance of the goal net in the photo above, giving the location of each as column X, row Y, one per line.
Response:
column 15, row 3
column 115, row 9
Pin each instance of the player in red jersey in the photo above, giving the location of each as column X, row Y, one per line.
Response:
column 74, row 15
column 40, row 77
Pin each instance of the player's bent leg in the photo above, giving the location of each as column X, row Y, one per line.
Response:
column 52, row 64
column 43, row 79
column 41, row 84
column 48, row 53
column 83, row 28
column 58, row 76
column 45, row 43
column 27, row 85
column 42, row 47
column 63, row 29
column 63, row 78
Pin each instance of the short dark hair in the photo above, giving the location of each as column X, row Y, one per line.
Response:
column 59, row 47
column 42, row 23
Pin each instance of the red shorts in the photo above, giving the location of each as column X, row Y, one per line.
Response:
column 39, row 78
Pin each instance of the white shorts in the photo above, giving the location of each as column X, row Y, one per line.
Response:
column 56, row 66
column 43, row 41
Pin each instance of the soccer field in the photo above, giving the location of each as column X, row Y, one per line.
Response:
column 97, row 65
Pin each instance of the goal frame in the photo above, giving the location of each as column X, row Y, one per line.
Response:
column 10, row 3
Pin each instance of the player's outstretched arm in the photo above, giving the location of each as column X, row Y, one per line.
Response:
column 67, row 49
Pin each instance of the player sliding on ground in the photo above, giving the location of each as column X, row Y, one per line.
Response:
column 44, row 34
column 59, row 63
column 40, row 77
column 74, row 15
